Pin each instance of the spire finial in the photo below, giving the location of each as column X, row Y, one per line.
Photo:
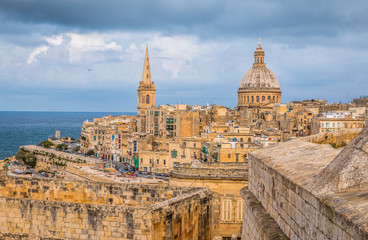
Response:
column 146, row 68
column 259, row 42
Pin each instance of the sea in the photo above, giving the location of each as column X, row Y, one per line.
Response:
column 31, row 128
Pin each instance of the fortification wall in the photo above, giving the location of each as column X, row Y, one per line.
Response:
column 43, row 208
column 336, row 139
column 49, row 219
column 139, row 195
column 258, row 224
column 233, row 171
column 48, row 159
column 298, row 213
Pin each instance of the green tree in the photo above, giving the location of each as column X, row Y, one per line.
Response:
column 27, row 157
column 61, row 146
column 90, row 153
column 46, row 144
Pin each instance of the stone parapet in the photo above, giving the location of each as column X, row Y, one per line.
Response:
column 337, row 139
column 220, row 171
column 258, row 224
column 32, row 208
column 298, row 212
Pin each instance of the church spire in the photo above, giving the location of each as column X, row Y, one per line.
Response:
column 259, row 55
column 146, row 76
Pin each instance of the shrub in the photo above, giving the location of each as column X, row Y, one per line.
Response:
column 61, row 146
column 90, row 153
column 46, row 144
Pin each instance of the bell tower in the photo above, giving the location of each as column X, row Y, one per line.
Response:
column 146, row 94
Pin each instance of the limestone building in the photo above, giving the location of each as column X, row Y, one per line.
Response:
column 146, row 94
column 259, row 86
column 225, row 181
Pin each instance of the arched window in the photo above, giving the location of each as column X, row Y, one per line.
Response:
column 269, row 98
column 257, row 98
column 252, row 99
column 147, row 99
column 248, row 99
column 273, row 98
column 263, row 98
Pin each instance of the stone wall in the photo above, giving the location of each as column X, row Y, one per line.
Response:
column 212, row 171
column 336, row 139
column 299, row 213
column 49, row 219
column 35, row 208
column 141, row 195
column 258, row 224
column 50, row 160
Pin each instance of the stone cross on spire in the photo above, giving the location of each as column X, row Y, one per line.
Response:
column 259, row 42
column 146, row 76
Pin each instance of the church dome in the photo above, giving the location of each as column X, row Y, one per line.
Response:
column 259, row 76
column 259, row 87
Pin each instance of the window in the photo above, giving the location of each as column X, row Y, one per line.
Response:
column 174, row 153
column 257, row 98
column 240, row 210
column 147, row 99
column 150, row 161
column 273, row 98
column 263, row 98
column 269, row 98
column 226, row 210
column 158, row 161
column 228, row 155
column 247, row 98
column 164, row 162
column 195, row 145
column 252, row 98
column 141, row 160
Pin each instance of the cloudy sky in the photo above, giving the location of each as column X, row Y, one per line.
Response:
column 199, row 51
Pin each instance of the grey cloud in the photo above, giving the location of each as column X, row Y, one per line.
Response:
column 317, row 49
column 203, row 18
